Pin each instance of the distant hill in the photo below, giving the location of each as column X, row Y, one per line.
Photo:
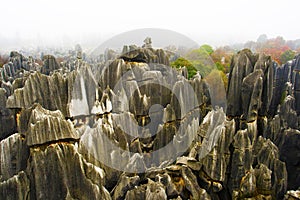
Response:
column 160, row 38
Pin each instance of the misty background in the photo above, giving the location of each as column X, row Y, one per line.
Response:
column 56, row 23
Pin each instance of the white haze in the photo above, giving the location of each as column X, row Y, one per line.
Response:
column 90, row 22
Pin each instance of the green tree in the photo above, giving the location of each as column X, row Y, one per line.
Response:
column 207, row 48
column 286, row 56
column 201, row 60
column 182, row 62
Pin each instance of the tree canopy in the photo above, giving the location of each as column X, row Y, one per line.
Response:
column 182, row 62
column 286, row 56
column 209, row 50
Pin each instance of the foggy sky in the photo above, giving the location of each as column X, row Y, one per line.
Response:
column 216, row 22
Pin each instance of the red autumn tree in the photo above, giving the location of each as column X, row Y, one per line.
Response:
column 275, row 48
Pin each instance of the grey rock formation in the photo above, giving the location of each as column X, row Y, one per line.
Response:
column 251, row 95
column 7, row 117
column 49, row 91
column 214, row 154
column 192, row 185
column 17, row 66
column 148, row 43
column 292, row 195
column 17, row 187
column 286, row 82
column 125, row 183
column 110, row 54
column 243, row 64
column 289, row 148
column 82, row 91
column 155, row 190
column 134, row 128
column 14, row 156
column 282, row 127
column 74, row 178
column 136, row 193
column 147, row 55
column 50, row 64
column 266, row 153
column 44, row 126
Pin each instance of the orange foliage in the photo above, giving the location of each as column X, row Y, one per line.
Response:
column 222, row 56
column 274, row 48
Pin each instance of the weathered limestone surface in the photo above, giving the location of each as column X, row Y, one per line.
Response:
column 44, row 126
column 283, row 127
column 14, row 155
column 73, row 177
column 255, row 74
column 7, row 117
column 50, row 64
column 17, row 67
column 17, row 187
column 49, row 91
column 134, row 128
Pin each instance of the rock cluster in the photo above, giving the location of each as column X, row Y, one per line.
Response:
column 134, row 128
column 50, row 64
column 17, row 66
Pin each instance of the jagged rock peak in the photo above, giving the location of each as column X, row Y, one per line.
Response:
column 17, row 67
column 254, row 97
column 50, row 64
column 44, row 126
column 147, row 55
column 14, row 154
column 49, row 91
column 73, row 177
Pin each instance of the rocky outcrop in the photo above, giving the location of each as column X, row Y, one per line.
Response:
column 49, row 91
column 134, row 128
column 250, row 85
column 17, row 66
column 17, row 187
column 7, row 117
column 283, row 127
column 92, row 103
column 124, row 184
column 263, row 110
column 14, row 182
column 50, row 64
column 44, row 126
column 64, row 158
column 146, row 55
column 289, row 149
column 130, row 100
column 14, row 155
column 292, row 195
